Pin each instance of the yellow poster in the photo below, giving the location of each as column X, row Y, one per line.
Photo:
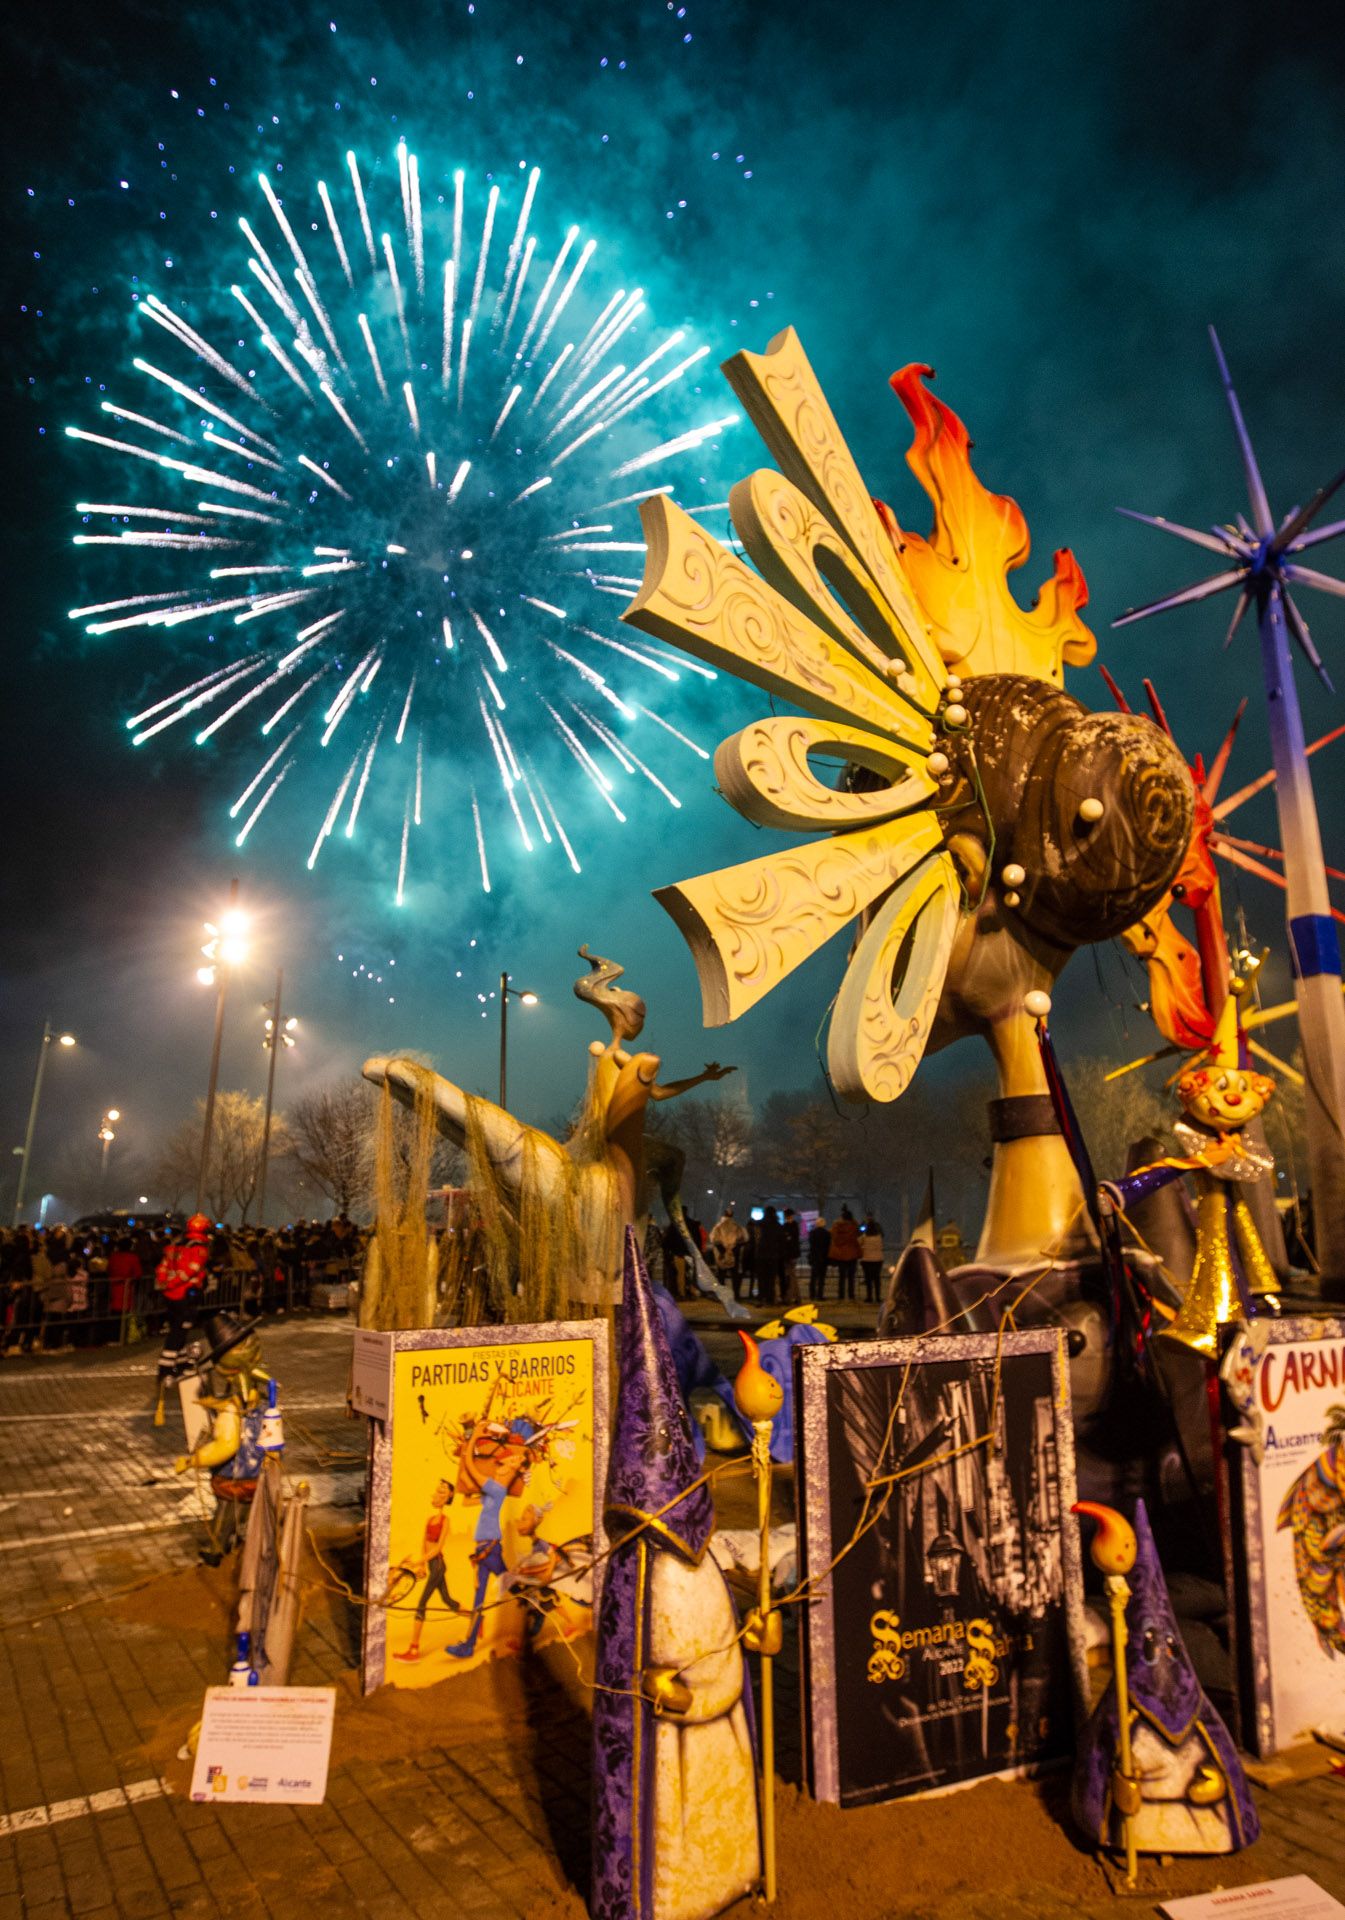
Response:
column 491, row 1515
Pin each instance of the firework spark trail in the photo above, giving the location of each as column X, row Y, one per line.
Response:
column 676, row 733
column 312, row 489
column 332, row 811
column 480, row 844
column 241, row 836
column 260, row 775
column 401, row 864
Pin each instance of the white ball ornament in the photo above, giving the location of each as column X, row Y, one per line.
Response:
column 1091, row 810
column 955, row 714
column 1037, row 1003
column 937, row 764
column 1013, row 875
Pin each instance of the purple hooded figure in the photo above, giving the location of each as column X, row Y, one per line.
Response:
column 676, row 1828
column 1193, row 1795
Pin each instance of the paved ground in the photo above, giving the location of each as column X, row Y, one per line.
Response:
column 108, row 1639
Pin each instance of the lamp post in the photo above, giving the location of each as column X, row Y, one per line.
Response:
column 279, row 1033
column 225, row 948
column 528, row 999
column 107, row 1134
column 63, row 1040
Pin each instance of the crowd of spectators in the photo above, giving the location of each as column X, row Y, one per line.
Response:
column 66, row 1287
column 769, row 1257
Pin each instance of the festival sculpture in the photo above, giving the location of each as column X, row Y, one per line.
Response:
column 245, row 1422
column 676, row 1825
column 1232, row 1278
column 554, row 1211
column 985, row 824
column 1156, row 1770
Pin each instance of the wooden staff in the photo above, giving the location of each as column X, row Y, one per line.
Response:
column 759, row 1398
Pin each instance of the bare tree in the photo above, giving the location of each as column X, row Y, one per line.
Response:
column 331, row 1139
column 235, row 1155
column 236, row 1152
column 174, row 1168
column 716, row 1133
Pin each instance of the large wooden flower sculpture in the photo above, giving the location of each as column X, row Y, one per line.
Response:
column 985, row 824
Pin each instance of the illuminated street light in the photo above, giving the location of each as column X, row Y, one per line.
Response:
column 64, row 1040
column 107, row 1134
column 225, row 949
column 281, row 1029
column 528, row 999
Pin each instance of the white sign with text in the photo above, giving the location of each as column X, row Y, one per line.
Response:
column 265, row 1745
column 1295, row 1898
column 371, row 1374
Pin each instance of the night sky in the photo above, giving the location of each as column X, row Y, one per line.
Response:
column 1048, row 204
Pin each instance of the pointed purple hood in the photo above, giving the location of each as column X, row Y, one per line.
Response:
column 1162, row 1680
column 653, row 1452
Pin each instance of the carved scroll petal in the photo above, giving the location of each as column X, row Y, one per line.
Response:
column 749, row 926
column 701, row 597
column 880, row 1027
column 764, row 772
column 787, row 536
column 785, row 403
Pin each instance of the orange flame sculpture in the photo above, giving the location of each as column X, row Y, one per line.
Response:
column 959, row 574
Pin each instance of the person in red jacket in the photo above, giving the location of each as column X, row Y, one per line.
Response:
column 845, row 1251
column 180, row 1277
column 123, row 1271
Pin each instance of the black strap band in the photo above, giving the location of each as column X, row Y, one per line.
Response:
column 1021, row 1117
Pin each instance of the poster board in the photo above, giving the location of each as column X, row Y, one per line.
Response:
column 485, row 1507
column 1290, row 1613
column 947, row 1644
column 265, row 1746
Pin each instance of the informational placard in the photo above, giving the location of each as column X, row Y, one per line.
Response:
column 265, row 1744
column 1295, row 1898
column 1289, row 1520
column 946, row 1633
column 485, row 1497
column 371, row 1373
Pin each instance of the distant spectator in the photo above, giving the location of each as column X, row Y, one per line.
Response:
column 871, row 1255
column 728, row 1237
column 793, row 1252
column 845, row 1252
column 819, row 1257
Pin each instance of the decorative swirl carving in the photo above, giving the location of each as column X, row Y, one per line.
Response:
column 764, row 772
column 749, row 926
column 787, row 537
column 701, row 597
column 785, row 403
column 892, row 986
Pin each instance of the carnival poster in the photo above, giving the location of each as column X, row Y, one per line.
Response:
column 946, row 1632
column 486, row 1495
column 1291, row 1563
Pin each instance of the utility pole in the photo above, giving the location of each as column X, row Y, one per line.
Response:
column 66, row 1040
column 273, row 1042
column 220, row 952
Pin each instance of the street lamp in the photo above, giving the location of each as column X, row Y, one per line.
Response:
column 225, row 949
column 63, row 1040
column 107, row 1135
column 279, row 1035
column 529, row 999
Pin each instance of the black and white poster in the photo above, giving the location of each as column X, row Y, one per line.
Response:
column 945, row 1633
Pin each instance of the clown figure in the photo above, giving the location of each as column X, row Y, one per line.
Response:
column 1232, row 1279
